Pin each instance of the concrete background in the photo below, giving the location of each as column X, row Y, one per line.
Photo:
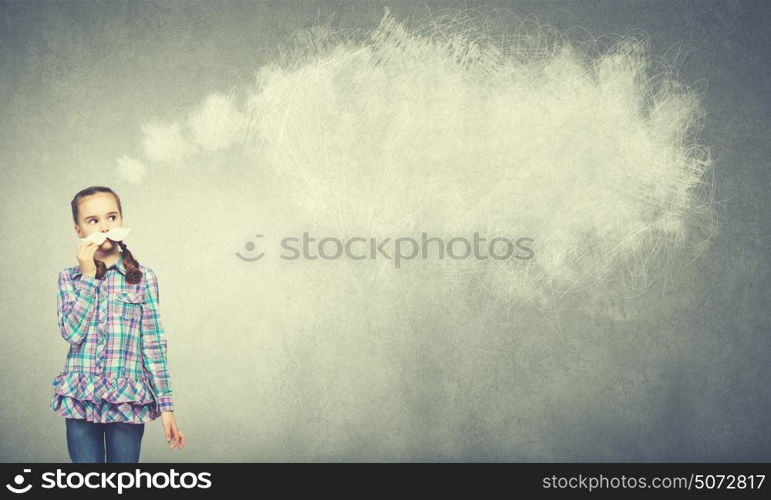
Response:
column 264, row 373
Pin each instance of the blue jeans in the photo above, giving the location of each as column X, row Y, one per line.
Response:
column 88, row 441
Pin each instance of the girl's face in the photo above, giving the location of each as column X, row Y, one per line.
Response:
column 98, row 213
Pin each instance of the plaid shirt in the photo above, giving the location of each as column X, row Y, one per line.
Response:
column 116, row 367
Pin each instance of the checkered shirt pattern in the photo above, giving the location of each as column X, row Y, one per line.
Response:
column 116, row 368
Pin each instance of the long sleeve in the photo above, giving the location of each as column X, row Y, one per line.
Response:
column 154, row 343
column 75, row 306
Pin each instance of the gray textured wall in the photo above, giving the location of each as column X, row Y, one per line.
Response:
column 289, row 361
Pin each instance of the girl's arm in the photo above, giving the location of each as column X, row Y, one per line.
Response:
column 154, row 343
column 75, row 306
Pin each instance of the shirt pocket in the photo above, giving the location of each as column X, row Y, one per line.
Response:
column 127, row 307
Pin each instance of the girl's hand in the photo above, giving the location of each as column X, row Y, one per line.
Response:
column 171, row 431
column 85, row 251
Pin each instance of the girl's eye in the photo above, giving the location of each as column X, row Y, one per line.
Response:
column 113, row 217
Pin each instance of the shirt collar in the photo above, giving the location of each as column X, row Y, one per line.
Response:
column 119, row 264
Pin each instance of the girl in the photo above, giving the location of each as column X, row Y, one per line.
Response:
column 115, row 378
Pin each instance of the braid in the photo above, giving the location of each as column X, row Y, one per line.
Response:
column 133, row 274
column 101, row 269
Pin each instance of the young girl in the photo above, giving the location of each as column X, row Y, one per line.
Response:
column 115, row 378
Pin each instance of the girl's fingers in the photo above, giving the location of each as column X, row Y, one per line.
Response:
column 179, row 438
column 174, row 436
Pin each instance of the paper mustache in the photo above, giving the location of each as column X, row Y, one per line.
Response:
column 115, row 234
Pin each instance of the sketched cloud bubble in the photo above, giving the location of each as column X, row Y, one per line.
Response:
column 217, row 124
column 590, row 149
column 213, row 125
column 443, row 128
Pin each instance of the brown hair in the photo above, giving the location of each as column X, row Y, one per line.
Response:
column 133, row 274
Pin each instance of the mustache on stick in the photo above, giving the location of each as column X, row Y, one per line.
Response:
column 115, row 234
